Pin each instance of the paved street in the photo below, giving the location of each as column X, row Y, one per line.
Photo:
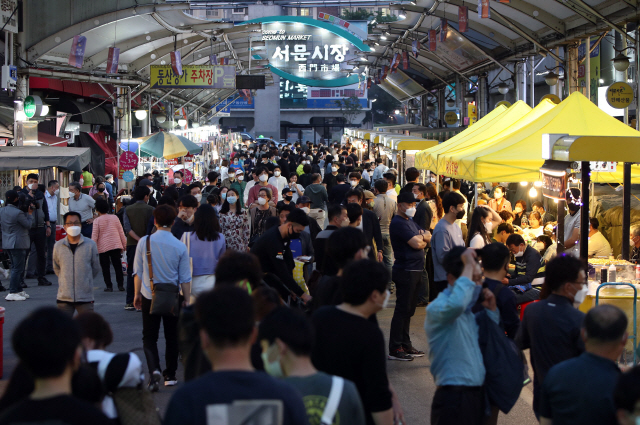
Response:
column 412, row 380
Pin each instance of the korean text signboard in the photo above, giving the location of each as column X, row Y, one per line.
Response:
column 128, row 160
column 194, row 77
column 619, row 95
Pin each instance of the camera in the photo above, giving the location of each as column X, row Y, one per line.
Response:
column 25, row 204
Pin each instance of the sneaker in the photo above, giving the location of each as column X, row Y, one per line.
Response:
column 399, row 354
column 49, row 272
column 15, row 297
column 24, row 294
column 413, row 352
column 121, row 288
column 129, row 307
column 154, row 381
column 44, row 282
column 170, row 381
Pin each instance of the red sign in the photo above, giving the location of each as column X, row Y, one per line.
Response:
column 444, row 26
column 405, row 60
column 581, row 71
column 188, row 177
column 483, row 9
column 432, row 40
column 112, row 60
column 172, row 162
column 368, row 83
column 176, row 62
column 128, row 160
column 463, row 18
column 395, row 63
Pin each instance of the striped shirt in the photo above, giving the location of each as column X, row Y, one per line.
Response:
column 108, row 233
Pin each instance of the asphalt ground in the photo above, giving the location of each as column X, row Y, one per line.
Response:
column 412, row 380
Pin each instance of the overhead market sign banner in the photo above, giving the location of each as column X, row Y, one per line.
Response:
column 194, row 77
column 308, row 51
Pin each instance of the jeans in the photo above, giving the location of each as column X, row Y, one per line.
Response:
column 51, row 241
column 407, row 287
column 455, row 405
column 87, row 229
column 18, row 258
column 150, row 332
column 387, row 252
column 38, row 237
column 131, row 255
column 106, row 259
column 73, row 307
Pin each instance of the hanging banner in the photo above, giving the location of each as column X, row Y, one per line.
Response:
column 176, row 62
column 444, row 26
column 432, row 40
column 463, row 18
column 385, row 70
column 368, row 83
column 213, row 59
column 483, row 9
column 415, row 48
column 405, row 60
column 194, row 76
column 396, row 62
column 504, row 1
column 112, row 60
column 378, row 75
column 76, row 55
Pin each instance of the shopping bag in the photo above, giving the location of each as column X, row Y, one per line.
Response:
column 298, row 275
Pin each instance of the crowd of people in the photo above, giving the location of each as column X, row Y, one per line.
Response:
column 278, row 262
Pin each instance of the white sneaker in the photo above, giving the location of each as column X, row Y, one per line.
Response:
column 24, row 294
column 15, row 297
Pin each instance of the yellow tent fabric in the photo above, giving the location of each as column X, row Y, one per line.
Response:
column 518, row 157
column 509, row 118
column 427, row 159
column 463, row 160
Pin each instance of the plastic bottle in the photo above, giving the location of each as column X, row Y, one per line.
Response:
column 612, row 273
column 638, row 272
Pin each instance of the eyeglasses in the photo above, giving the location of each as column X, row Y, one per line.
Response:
column 72, row 223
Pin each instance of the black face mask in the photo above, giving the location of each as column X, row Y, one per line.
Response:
column 460, row 215
column 101, row 189
column 288, row 198
column 294, row 235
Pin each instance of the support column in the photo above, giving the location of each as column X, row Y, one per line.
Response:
column 626, row 209
column 532, row 80
column 442, row 103
column 482, row 96
column 625, row 77
column 560, row 227
column 587, row 68
column 584, row 211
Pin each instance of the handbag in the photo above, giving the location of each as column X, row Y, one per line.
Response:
column 165, row 297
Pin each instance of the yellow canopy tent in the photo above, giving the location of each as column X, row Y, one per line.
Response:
column 462, row 160
column 509, row 118
column 518, row 157
column 427, row 159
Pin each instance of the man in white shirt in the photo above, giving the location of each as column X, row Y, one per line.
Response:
column 51, row 196
column 598, row 244
column 248, row 187
column 277, row 180
column 391, row 186
column 455, row 187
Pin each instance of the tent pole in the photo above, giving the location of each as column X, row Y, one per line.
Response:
column 584, row 211
column 626, row 209
column 560, row 229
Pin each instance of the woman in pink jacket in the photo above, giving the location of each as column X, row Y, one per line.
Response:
column 109, row 236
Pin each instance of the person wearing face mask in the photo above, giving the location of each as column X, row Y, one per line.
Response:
column 330, row 178
column 75, row 262
column 195, row 190
column 178, row 183
column 530, row 270
column 259, row 213
column 339, row 191
column 287, row 197
column 483, row 220
column 349, row 324
column 40, row 229
column 408, row 241
column 313, row 228
column 581, row 390
column 187, row 206
column 51, row 196
column 550, row 328
column 15, row 225
column 456, row 359
column 274, row 252
column 277, row 180
column 572, row 222
column 357, row 182
column 319, row 199
column 263, row 177
column 369, row 224
column 337, row 218
column 520, row 214
column 287, row 338
column 446, row 235
column 236, row 165
column 499, row 202
column 234, row 222
column 109, row 237
column 153, row 201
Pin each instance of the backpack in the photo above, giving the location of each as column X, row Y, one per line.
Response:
column 504, row 367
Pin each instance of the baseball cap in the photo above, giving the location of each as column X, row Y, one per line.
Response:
column 406, row 197
column 145, row 182
column 303, row 200
column 368, row 194
column 239, row 172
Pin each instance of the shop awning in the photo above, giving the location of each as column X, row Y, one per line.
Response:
column 59, row 142
column 410, row 144
column 462, row 161
column 427, row 159
column 89, row 114
column 518, row 157
column 32, row 157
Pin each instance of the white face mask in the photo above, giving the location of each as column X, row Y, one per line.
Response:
column 579, row 297
column 354, row 183
column 232, row 199
column 410, row 212
column 518, row 210
column 198, row 197
column 240, row 177
column 262, row 201
column 334, row 169
column 305, row 209
column 189, row 220
column 539, row 246
column 276, row 173
column 489, row 226
column 33, row 186
column 177, row 180
column 74, row 231
column 272, row 368
column 263, row 177
column 519, row 254
column 56, row 192
column 387, row 296
column 631, row 242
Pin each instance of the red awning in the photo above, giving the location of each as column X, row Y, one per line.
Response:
column 60, row 142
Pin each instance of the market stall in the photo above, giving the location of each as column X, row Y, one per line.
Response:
column 403, row 149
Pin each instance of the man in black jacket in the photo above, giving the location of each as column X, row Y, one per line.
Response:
column 411, row 175
column 369, row 224
column 40, row 228
column 529, row 267
column 337, row 218
column 338, row 192
column 274, row 252
column 422, row 218
column 283, row 162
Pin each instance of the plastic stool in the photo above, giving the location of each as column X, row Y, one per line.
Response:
column 521, row 307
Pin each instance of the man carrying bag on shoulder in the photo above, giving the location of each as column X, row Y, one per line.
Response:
column 161, row 269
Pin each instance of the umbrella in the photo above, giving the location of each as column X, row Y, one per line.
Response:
column 168, row 145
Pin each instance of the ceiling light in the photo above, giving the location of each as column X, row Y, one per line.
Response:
column 161, row 118
column 401, row 15
column 469, row 97
column 44, row 111
column 182, row 122
column 430, row 106
column 397, row 112
column 141, row 114
column 601, row 81
column 451, row 103
column 551, row 78
column 621, row 62
column 503, row 88
column 524, row 183
column 533, row 193
column 383, row 37
column 537, row 183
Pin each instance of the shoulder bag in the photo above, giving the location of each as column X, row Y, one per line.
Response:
column 165, row 297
